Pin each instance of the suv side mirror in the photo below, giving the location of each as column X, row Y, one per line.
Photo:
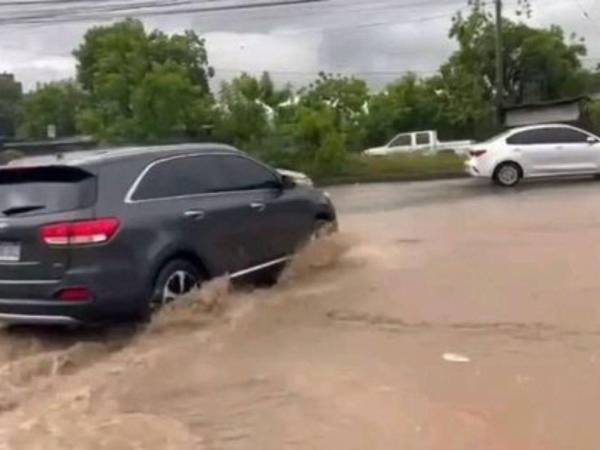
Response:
column 287, row 182
column 592, row 140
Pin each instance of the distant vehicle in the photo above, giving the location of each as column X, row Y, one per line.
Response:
column 535, row 151
column 102, row 235
column 418, row 141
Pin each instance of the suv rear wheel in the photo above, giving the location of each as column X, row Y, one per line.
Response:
column 177, row 278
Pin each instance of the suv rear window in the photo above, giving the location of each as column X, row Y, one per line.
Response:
column 45, row 190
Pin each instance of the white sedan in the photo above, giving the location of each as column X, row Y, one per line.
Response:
column 535, row 151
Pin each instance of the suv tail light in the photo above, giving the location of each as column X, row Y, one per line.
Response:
column 81, row 232
column 477, row 153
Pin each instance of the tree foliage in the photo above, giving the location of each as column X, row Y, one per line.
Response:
column 143, row 86
column 134, row 85
column 54, row 104
column 539, row 63
column 11, row 93
column 407, row 104
column 346, row 96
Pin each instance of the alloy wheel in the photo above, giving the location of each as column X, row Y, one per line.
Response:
column 179, row 283
column 508, row 175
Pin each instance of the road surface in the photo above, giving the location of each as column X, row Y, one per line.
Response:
column 447, row 315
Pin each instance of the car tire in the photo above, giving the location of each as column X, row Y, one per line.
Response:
column 323, row 228
column 508, row 174
column 270, row 276
column 177, row 278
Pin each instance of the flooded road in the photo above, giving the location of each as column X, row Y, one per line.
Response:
column 447, row 315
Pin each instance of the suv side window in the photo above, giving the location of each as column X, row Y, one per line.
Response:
column 548, row 136
column 188, row 175
column 243, row 174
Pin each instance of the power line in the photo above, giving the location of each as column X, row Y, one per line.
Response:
column 390, row 22
column 110, row 9
column 41, row 21
column 97, row 10
column 384, row 23
column 383, row 73
column 122, row 9
column 79, row 3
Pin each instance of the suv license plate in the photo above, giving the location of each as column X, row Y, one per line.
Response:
column 10, row 251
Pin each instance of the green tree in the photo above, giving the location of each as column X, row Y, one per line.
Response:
column 55, row 104
column 142, row 86
column 249, row 108
column 11, row 93
column 465, row 107
column 408, row 104
column 244, row 118
column 311, row 126
column 338, row 98
column 331, row 154
column 261, row 89
column 346, row 96
column 165, row 103
column 540, row 63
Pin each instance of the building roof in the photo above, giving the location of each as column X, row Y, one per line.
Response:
column 549, row 103
column 568, row 110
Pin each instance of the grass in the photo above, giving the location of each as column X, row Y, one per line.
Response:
column 361, row 169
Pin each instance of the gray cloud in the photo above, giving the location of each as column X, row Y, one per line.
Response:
column 376, row 39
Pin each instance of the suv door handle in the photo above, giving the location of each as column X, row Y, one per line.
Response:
column 194, row 214
column 260, row 207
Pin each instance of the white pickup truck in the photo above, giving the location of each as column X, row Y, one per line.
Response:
column 419, row 141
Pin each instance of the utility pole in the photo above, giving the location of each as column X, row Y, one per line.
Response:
column 499, row 64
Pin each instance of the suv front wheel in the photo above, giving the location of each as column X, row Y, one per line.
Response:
column 323, row 228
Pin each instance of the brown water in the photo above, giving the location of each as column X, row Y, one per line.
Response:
column 353, row 350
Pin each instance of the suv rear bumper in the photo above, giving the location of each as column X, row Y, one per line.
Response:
column 117, row 293
column 27, row 319
column 45, row 312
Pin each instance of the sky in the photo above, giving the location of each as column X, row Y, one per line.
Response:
column 378, row 40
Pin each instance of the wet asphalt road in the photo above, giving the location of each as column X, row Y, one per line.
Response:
column 368, row 198
column 448, row 315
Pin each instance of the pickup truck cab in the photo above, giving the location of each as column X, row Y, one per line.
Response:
column 418, row 141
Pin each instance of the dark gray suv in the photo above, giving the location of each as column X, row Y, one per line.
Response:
column 112, row 234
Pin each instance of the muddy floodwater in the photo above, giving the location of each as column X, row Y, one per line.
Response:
column 445, row 316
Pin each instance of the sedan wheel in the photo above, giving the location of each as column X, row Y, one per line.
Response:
column 508, row 175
